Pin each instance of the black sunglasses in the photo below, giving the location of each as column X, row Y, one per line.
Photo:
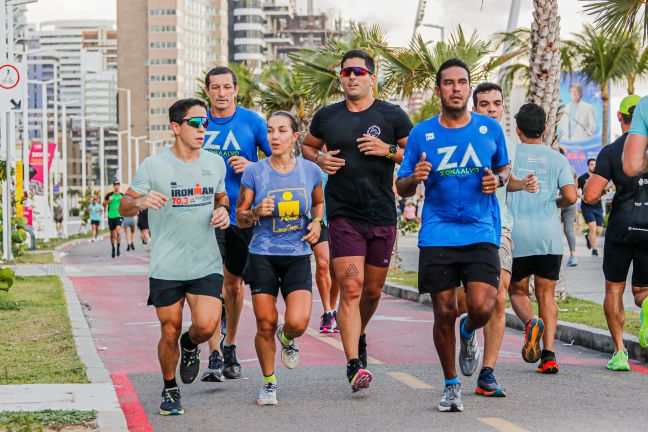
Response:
column 358, row 71
column 196, row 122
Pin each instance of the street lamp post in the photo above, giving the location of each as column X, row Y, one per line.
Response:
column 84, row 164
column 137, row 155
column 119, row 151
column 438, row 27
column 152, row 145
column 128, row 138
column 63, row 106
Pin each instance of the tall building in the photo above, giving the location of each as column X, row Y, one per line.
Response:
column 247, row 32
column 164, row 47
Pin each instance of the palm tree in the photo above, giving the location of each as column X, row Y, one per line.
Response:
column 640, row 64
column 604, row 59
column 619, row 16
column 544, row 63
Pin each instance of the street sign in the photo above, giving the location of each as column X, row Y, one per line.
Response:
column 13, row 79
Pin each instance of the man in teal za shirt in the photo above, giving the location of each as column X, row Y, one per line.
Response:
column 635, row 158
column 461, row 157
column 236, row 134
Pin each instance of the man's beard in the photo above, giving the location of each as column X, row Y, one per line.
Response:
column 453, row 110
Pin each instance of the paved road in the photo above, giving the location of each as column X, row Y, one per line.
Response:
column 584, row 281
column 403, row 397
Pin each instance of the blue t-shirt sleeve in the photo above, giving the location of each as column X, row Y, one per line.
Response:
column 501, row 157
column 248, row 177
column 261, row 136
column 640, row 118
column 411, row 156
column 565, row 173
column 142, row 181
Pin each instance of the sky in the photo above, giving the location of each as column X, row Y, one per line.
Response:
column 396, row 16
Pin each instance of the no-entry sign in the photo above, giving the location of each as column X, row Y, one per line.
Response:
column 13, row 79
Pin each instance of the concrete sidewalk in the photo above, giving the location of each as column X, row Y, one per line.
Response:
column 98, row 396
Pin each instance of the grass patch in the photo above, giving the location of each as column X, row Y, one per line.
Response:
column 35, row 258
column 403, row 278
column 37, row 346
column 34, row 421
column 55, row 242
column 571, row 309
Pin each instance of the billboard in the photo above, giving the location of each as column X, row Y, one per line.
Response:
column 580, row 127
column 36, row 163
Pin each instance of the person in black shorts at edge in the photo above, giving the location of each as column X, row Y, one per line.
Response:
column 364, row 138
column 143, row 226
column 592, row 213
column 623, row 246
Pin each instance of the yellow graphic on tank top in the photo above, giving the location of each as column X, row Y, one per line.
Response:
column 290, row 207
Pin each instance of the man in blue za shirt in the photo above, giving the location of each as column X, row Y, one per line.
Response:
column 236, row 134
column 461, row 157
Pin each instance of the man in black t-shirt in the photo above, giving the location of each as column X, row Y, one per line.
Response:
column 622, row 245
column 592, row 213
column 364, row 137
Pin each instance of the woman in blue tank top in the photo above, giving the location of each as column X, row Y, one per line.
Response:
column 281, row 197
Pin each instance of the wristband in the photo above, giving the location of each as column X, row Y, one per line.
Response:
column 226, row 207
column 318, row 219
column 317, row 157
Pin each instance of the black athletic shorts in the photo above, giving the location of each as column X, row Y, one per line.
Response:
column 233, row 244
column 617, row 258
column 443, row 268
column 167, row 292
column 95, row 222
column 113, row 223
column 268, row 274
column 324, row 237
column 546, row 266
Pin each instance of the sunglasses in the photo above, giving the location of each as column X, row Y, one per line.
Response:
column 358, row 71
column 196, row 122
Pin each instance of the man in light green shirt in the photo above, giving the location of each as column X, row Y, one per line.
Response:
column 184, row 190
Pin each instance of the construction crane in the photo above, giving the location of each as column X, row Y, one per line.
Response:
column 420, row 14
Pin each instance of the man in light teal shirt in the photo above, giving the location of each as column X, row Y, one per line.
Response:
column 537, row 235
column 184, row 189
column 635, row 158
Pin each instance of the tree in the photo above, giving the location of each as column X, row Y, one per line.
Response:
column 619, row 16
column 604, row 59
column 544, row 63
column 639, row 66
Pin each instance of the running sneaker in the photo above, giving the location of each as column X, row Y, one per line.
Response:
column 362, row 350
column 469, row 353
column 531, row 349
column 326, row 323
column 587, row 242
column 231, row 368
column 548, row 365
column 360, row 380
column 643, row 327
column 572, row 261
column 118, row 246
column 268, row 394
column 132, row 246
column 113, row 252
column 189, row 365
column 214, row 372
column 619, row 362
column 171, row 404
column 127, row 248
column 487, row 384
column 335, row 323
column 289, row 353
column 451, row 399
column 595, row 252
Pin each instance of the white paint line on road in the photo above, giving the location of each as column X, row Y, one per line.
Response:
column 502, row 425
column 323, row 338
column 410, row 380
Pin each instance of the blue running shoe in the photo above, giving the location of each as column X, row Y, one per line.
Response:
column 487, row 384
column 171, row 404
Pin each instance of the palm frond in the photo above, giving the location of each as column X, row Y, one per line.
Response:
column 613, row 17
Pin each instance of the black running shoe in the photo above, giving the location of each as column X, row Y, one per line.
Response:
column 132, row 246
column 127, row 247
column 362, row 351
column 171, row 404
column 113, row 252
column 587, row 242
column 189, row 365
column 232, row 368
column 214, row 372
column 118, row 246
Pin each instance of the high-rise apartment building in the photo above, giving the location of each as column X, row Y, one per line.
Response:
column 247, row 32
column 164, row 48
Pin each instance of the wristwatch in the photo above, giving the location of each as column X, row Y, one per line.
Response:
column 226, row 207
column 392, row 151
column 501, row 180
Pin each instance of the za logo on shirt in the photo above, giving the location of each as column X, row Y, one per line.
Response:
column 373, row 131
column 429, row 136
column 447, row 168
column 209, row 144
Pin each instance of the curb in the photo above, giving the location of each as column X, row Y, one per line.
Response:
column 577, row 334
column 109, row 420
